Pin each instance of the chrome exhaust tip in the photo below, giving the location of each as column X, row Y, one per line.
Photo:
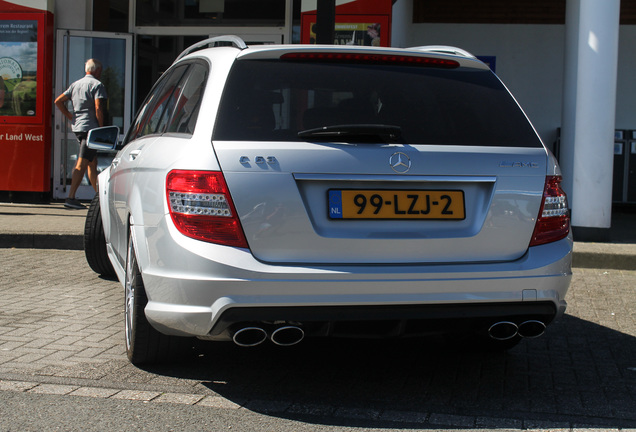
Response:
column 531, row 329
column 287, row 335
column 503, row 330
column 249, row 336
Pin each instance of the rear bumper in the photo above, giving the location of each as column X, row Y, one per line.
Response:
column 198, row 289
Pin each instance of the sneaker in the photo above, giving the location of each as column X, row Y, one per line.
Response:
column 74, row 204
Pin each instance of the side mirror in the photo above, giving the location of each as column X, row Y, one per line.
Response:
column 103, row 138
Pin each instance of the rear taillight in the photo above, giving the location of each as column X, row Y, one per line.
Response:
column 554, row 217
column 201, row 207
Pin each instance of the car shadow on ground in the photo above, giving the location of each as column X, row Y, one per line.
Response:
column 578, row 373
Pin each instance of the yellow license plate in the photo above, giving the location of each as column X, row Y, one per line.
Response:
column 396, row 204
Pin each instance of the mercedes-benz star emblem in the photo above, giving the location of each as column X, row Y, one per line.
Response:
column 400, row 162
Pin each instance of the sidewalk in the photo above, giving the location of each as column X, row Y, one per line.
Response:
column 51, row 226
column 41, row 226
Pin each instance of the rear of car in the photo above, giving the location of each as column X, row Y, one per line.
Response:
column 355, row 192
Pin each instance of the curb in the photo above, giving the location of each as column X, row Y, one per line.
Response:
column 42, row 241
column 427, row 420
column 616, row 256
column 599, row 260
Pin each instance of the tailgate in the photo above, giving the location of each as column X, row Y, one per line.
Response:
column 455, row 204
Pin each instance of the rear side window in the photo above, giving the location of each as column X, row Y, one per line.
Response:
column 271, row 100
column 173, row 103
column 155, row 110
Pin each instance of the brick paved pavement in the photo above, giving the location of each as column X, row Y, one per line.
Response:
column 61, row 333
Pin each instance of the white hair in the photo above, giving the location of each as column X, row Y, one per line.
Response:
column 92, row 65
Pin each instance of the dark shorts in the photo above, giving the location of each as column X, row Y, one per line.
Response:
column 84, row 151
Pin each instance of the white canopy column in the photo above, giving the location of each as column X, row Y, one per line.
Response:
column 589, row 106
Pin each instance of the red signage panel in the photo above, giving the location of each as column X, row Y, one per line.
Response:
column 26, row 69
column 358, row 22
column 367, row 30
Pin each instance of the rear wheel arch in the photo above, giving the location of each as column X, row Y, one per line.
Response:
column 135, row 220
column 136, row 233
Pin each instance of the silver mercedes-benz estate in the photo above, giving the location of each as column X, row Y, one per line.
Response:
column 286, row 192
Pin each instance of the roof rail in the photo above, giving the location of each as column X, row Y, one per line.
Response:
column 443, row 49
column 234, row 40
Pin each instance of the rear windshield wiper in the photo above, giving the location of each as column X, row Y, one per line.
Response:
column 365, row 133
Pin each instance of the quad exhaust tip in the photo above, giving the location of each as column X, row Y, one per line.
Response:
column 287, row 335
column 249, row 336
column 531, row 329
column 505, row 330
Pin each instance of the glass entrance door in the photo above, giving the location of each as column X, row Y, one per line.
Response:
column 74, row 48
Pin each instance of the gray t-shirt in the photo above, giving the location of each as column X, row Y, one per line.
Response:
column 82, row 94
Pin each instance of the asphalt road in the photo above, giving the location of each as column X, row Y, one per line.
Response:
column 63, row 367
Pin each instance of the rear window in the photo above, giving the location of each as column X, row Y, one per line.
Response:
column 273, row 100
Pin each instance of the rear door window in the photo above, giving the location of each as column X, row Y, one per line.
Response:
column 148, row 120
column 270, row 100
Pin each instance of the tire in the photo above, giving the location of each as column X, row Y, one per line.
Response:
column 95, row 242
column 144, row 344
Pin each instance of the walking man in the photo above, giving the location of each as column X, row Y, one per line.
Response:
column 88, row 97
